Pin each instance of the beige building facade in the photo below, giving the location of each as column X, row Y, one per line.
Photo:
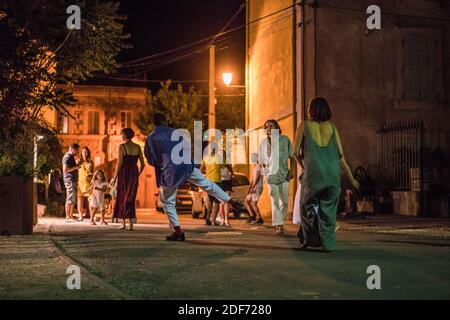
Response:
column 98, row 118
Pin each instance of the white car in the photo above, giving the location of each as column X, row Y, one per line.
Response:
column 241, row 184
column 191, row 199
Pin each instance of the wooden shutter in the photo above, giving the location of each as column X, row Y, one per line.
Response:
column 411, row 67
column 429, row 68
column 93, row 122
column 96, row 122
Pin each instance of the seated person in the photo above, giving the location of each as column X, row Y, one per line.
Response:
column 56, row 191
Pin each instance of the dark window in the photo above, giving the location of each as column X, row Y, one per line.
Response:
column 62, row 124
column 421, row 69
column 125, row 119
column 93, row 122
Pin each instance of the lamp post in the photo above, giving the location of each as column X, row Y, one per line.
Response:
column 35, row 140
column 35, row 179
column 212, row 88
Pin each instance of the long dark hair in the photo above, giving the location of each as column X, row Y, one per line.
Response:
column 88, row 158
column 275, row 124
column 94, row 177
column 128, row 133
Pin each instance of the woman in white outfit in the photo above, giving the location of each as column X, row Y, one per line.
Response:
column 275, row 153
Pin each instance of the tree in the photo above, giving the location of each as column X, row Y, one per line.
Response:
column 230, row 113
column 41, row 53
column 40, row 59
column 180, row 108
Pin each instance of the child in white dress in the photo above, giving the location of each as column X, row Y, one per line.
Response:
column 99, row 186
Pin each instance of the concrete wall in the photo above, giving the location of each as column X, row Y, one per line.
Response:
column 360, row 72
column 270, row 72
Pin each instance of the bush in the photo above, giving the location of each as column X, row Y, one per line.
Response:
column 17, row 151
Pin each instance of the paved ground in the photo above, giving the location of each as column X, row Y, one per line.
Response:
column 243, row 262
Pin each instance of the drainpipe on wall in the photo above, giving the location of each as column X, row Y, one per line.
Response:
column 294, row 79
column 303, row 86
column 247, row 81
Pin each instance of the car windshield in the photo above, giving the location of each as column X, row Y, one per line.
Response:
column 240, row 180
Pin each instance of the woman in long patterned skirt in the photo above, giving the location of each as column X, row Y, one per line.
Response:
column 127, row 179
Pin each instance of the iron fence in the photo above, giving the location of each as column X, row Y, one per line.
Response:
column 409, row 155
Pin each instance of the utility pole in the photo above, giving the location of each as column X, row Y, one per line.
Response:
column 212, row 88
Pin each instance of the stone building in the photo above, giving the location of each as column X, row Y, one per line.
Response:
column 99, row 116
column 324, row 48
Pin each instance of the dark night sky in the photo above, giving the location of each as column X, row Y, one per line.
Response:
column 160, row 25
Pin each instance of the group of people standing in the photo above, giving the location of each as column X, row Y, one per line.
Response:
column 317, row 149
column 81, row 182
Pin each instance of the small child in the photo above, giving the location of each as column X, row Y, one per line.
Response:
column 226, row 176
column 348, row 203
column 97, row 199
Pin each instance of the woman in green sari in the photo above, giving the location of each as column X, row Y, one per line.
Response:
column 318, row 150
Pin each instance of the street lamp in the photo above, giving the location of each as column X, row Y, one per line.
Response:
column 227, row 78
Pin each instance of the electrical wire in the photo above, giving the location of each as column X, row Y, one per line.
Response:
column 220, row 34
column 229, row 22
column 151, row 81
column 185, row 52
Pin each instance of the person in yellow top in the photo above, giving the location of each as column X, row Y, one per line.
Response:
column 318, row 150
column 84, row 180
column 210, row 166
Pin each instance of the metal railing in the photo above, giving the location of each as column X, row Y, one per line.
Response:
column 401, row 152
column 401, row 157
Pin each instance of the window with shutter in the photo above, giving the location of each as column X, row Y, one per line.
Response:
column 411, row 68
column 428, row 67
column 93, row 122
column 422, row 66
column 125, row 119
column 62, row 124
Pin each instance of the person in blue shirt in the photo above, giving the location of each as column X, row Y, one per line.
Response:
column 169, row 175
column 70, row 175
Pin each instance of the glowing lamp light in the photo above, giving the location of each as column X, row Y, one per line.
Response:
column 227, row 78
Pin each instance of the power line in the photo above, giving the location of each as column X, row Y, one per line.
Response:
column 175, row 56
column 220, row 34
column 232, row 38
column 151, row 81
column 229, row 22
